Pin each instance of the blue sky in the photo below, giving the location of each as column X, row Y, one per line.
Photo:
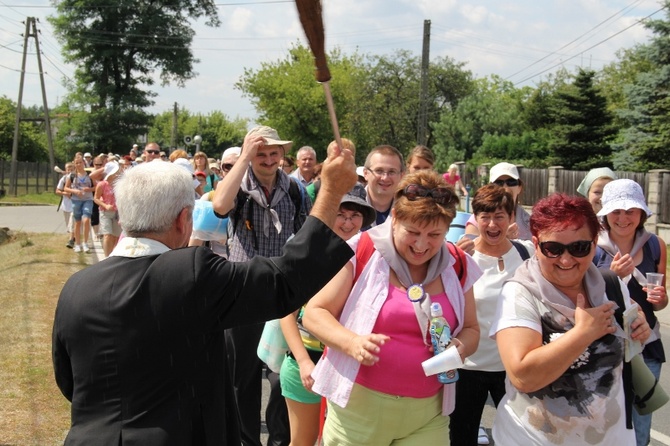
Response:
column 519, row 40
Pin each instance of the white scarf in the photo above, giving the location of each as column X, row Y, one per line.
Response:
column 641, row 238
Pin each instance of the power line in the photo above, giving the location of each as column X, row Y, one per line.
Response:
column 574, row 40
column 590, row 48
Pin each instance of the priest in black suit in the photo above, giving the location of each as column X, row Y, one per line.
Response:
column 138, row 344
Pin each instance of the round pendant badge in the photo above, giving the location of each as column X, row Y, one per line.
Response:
column 415, row 293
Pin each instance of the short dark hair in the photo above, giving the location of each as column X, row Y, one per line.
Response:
column 491, row 197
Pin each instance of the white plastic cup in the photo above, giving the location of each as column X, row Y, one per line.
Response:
column 654, row 279
column 447, row 360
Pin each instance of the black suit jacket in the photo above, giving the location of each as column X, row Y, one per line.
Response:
column 138, row 342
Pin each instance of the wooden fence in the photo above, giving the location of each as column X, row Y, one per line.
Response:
column 536, row 185
column 32, row 177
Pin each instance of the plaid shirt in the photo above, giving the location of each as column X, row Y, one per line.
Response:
column 241, row 239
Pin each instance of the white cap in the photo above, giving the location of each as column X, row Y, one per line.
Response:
column 231, row 150
column 501, row 169
column 87, row 154
column 360, row 171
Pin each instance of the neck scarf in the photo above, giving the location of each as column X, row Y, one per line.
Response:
column 530, row 276
column 641, row 238
column 382, row 237
column 251, row 187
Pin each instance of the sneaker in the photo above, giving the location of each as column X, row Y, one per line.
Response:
column 482, row 436
column 70, row 244
column 86, row 248
column 77, row 248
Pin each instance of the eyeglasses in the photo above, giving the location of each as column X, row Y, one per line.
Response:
column 154, row 152
column 351, row 218
column 379, row 173
column 441, row 195
column 510, row 182
column 227, row 166
column 552, row 250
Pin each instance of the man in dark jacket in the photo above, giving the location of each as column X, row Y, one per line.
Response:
column 138, row 344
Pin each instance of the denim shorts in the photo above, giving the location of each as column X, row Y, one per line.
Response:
column 82, row 208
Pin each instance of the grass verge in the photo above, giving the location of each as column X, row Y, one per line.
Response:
column 33, row 269
column 42, row 198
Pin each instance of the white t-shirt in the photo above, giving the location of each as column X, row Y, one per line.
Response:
column 66, row 205
column 487, row 293
column 579, row 408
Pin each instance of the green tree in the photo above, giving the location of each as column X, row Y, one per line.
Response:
column 376, row 97
column 645, row 143
column 117, row 46
column 217, row 131
column 583, row 130
column 494, row 108
column 288, row 98
column 32, row 135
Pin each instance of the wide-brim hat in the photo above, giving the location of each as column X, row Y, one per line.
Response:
column 271, row 137
column 501, row 169
column 110, row 169
column 622, row 194
column 358, row 196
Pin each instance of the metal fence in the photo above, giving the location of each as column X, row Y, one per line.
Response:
column 32, row 177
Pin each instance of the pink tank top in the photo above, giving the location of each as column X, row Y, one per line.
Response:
column 399, row 370
column 108, row 194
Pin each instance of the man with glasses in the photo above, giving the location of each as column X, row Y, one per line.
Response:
column 152, row 151
column 384, row 168
column 228, row 159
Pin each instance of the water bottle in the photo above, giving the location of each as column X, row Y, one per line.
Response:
column 440, row 336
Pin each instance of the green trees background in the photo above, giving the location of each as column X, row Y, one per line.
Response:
column 618, row 116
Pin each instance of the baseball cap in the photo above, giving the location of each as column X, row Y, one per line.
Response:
column 501, row 169
column 110, row 169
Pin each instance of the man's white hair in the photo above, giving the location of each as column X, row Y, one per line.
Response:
column 150, row 196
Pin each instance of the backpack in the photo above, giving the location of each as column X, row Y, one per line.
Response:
column 295, row 192
column 521, row 249
column 73, row 177
column 366, row 248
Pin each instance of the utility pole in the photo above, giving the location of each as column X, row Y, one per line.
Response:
column 175, row 114
column 422, row 126
column 30, row 23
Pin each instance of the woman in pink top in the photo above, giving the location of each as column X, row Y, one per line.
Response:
column 454, row 179
column 109, row 217
column 375, row 327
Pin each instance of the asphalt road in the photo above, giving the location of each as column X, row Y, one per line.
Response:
column 46, row 219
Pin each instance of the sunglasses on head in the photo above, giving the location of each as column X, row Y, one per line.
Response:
column 226, row 167
column 441, row 195
column 153, row 152
column 552, row 250
column 510, row 182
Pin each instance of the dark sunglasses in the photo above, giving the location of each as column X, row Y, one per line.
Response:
column 226, row 167
column 510, row 182
column 441, row 195
column 154, row 152
column 580, row 248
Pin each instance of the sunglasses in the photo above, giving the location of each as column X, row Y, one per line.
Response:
column 226, row 167
column 441, row 195
column 552, row 250
column 154, row 152
column 510, row 182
